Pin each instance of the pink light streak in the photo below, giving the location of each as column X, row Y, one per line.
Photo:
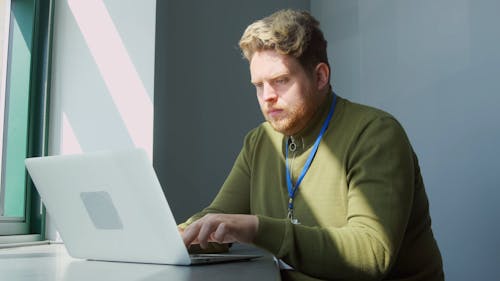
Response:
column 117, row 70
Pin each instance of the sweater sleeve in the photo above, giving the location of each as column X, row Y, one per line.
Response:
column 380, row 181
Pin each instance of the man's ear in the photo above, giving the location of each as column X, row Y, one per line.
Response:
column 322, row 72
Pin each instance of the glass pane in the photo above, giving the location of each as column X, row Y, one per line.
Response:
column 16, row 116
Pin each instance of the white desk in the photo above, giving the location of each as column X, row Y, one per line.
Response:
column 52, row 263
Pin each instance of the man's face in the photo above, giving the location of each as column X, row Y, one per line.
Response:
column 287, row 95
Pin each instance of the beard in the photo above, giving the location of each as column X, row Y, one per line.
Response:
column 292, row 121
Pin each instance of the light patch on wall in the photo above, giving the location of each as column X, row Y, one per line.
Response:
column 117, row 70
column 69, row 142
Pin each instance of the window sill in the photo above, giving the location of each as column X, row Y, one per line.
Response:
column 10, row 241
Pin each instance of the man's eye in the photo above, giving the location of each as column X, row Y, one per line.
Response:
column 281, row 81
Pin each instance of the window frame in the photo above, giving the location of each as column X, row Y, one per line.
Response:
column 39, row 15
column 3, row 80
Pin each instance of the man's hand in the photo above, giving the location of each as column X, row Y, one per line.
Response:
column 221, row 228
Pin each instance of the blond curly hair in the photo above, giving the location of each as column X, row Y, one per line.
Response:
column 288, row 32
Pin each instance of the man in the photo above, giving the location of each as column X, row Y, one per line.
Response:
column 331, row 188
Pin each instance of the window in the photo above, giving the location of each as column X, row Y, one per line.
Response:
column 24, row 56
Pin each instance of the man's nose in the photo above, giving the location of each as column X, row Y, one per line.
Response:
column 268, row 93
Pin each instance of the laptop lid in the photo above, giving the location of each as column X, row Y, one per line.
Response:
column 109, row 206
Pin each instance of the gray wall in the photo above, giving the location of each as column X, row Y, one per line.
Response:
column 204, row 102
column 436, row 66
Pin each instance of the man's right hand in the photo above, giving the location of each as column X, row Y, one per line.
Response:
column 221, row 228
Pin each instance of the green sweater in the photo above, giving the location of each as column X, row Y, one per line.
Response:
column 362, row 206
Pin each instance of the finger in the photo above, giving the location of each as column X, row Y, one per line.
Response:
column 220, row 234
column 207, row 228
column 190, row 234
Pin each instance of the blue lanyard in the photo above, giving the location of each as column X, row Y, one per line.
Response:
column 291, row 188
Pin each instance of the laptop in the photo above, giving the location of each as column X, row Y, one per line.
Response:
column 110, row 206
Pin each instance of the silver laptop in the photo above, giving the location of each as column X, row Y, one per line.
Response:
column 110, row 206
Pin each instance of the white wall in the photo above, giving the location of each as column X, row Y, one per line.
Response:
column 435, row 66
column 103, row 71
column 102, row 75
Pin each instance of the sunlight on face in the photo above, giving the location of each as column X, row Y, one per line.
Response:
column 287, row 95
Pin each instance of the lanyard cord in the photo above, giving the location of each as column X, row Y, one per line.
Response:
column 291, row 188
